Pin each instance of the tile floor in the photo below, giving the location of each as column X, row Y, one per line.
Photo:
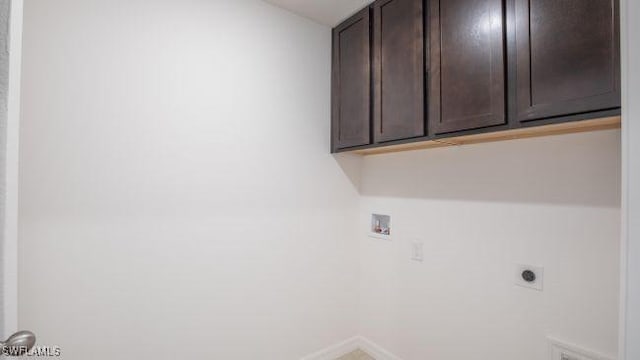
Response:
column 356, row 355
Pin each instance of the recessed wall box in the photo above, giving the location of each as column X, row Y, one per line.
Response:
column 380, row 226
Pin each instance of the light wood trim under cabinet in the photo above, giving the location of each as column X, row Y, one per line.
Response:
column 605, row 123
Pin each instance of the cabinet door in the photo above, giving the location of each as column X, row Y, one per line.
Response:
column 567, row 57
column 398, row 70
column 467, row 75
column 351, row 83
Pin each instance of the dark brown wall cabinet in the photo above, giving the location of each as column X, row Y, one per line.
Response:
column 467, row 65
column 409, row 71
column 398, row 70
column 351, row 83
column 567, row 57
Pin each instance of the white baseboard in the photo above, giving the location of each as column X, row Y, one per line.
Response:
column 357, row 342
column 375, row 350
column 335, row 351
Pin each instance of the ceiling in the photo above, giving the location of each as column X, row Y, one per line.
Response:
column 327, row 12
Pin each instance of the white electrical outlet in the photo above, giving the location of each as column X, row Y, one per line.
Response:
column 529, row 276
column 417, row 251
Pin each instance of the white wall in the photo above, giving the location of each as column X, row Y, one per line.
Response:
column 480, row 209
column 4, row 90
column 178, row 198
column 12, row 50
column 630, row 319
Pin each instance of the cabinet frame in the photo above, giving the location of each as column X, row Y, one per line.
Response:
column 497, row 90
column 366, row 138
column 419, row 86
column 520, row 67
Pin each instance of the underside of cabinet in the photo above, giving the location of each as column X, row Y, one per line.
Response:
column 604, row 123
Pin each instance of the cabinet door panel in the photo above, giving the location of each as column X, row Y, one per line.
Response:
column 351, row 83
column 467, row 75
column 567, row 57
column 398, row 69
